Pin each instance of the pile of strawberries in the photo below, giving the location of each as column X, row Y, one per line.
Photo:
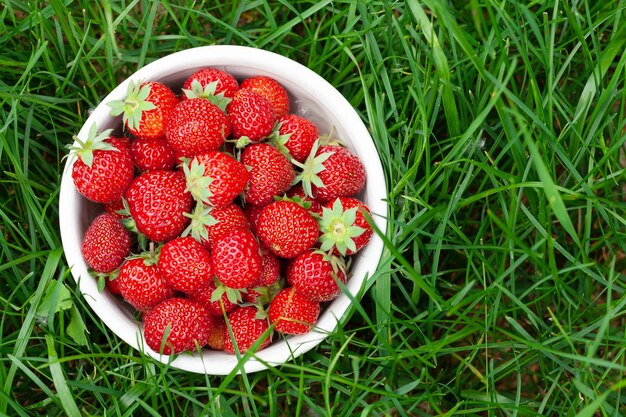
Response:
column 225, row 217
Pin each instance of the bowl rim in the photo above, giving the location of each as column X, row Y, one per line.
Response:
column 262, row 62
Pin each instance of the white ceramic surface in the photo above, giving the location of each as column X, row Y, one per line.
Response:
column 312, row 97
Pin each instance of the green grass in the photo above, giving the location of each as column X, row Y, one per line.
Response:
column 499, row 125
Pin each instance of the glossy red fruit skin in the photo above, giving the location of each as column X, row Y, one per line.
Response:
column 364, row 238
column 312, row 276
column 271, row 173
column 217, row 334
column 271, row 90
column 114, row 207
column 236, row 259
column 344, row 175
column 303, row 134
column 226, row 83
column 106, row 243
column 113, row 286
column 195, row 126
column 251, row 115
column 152, row 153
column 286, row 228
column 298, row 191
column 188, row 323
column 204, row 295
column 252, row 214
column 227, row 218
column 246, row 328
column 153, row 122
column 230, row 177
column 292, row 313
column 157, row 202
column 109, row 176
column 185, row 264
column 141, row 285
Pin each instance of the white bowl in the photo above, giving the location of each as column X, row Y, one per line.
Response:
column 312, row 97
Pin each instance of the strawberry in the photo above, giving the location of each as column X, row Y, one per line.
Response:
column 343, row 227
column 297, row 194
column 292, row 313
column 267, row 285
column 215, row 178
column 248, row 326
column 210, row 223
column 271, row 173
column 195, row 126
column 271, row 90
column 286, row 228
column 251, row 116
column 315, row 274
column 177, row 325
column 236, row 259
column 158, row 201
column 112, row 284
column 215, row 85
column 141, row 284
column 103, row 168
column 252, row 214
column 152, row 153
column 106, row 243
column 216, row 297
column 217, row 334
column 115, row 208
column 185, row 264
column 294, row 136
column 331, row 171
column 146, row 108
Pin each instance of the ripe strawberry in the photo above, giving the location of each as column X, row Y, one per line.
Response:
column 286, row 228
column 185, row 264
column 217, row 334
column 158, row 202
column 195, row 126
column 271, row 173
column 292, row 313
column 252, row 214
column 294, row 136
column 215, row 85
column 113, row 285
column 267, row 285
column 236, row 259
column 215, row 178
column 343, row 228
column 210, row 223
column 216, row 297
column 315, row 274
column 106, row 243
column 297, row 194
column 251, row 116
column 270, row 89
column 141, row 284
column 152, row 153
column 184, row 324
column 115, row 208
column 146, row 108
column 247, row 326
column 331, row 171
column 103, row 168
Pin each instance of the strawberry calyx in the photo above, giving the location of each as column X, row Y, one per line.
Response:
column 337, row 229
column 305, row 204
column 233, row 295
column 313, row 165
column 133, row 106
column 95, row 142
column 207, row 92
column 103, row 277
column 278, row 140
column 197, row 183
column 201, row 218
column 129, row 223
column 266, row 293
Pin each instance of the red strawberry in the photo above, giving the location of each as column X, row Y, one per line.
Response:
column 185, row 264
column 292, row 313
column 210, row 223
column 116, row 208
column 184, row 324
column 152, row 153
column 215, row 85
column 106, row 243
column 217, row 334
column 103, row 168
column 113, row 285
column 270, row 89
column 252, row 214
column 216, row 297
column 267, row 285
column 196, row 126
column 236, row 259
column 297, row 194
column 286, row 228
column 271, row 173
column 294, row 135
column 146, row 108
column 343, row 228
column 331, row 171
column 315, row 274
column 215, row 178
column 247, row 326
column 251, row 116
column 141, row 284
column 158, row 202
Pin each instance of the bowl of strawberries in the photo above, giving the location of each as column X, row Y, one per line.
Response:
column 218, row 209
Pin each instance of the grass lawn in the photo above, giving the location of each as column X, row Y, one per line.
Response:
column 500, row 126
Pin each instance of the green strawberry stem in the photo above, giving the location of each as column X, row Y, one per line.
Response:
column 313, row 165
column 201, row 218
